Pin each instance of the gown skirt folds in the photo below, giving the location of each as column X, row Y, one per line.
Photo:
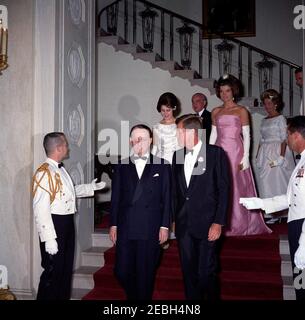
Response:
column 240, row 221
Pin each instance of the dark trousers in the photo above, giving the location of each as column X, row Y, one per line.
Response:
column 135, row 267
column 199, row 264
column 55, row 280
column 294, row 232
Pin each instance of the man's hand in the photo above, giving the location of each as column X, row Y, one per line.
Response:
column 214, row 232
column 113, row 234
column 252, row 203
column 299, row 257
column 98, row 186
column 51, row 246
column 277, row 162
column 163, row 235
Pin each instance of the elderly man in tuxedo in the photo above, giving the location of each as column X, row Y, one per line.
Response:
column 199, row 105
column 201, row 196
column 294, row 200
column 140, row 215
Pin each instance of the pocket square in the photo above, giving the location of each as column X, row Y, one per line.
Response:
column 156, row 175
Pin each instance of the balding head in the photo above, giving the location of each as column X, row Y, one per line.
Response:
column 199, row 102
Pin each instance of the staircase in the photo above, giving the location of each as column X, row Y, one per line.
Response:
column 252, row 268
column 92, row 260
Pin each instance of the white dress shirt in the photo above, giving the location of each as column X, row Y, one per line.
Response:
column 140, row 164
column 190, row 160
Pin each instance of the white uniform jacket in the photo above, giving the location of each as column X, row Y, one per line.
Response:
column 294, row 199
column 63, row 204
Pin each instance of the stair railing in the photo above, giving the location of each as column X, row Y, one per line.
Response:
column 124, row 18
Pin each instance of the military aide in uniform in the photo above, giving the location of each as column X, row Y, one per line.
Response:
column 54, row 206
column 294, row 199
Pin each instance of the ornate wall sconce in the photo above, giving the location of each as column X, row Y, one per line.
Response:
column 265, row 68
column 3, row 38
column 186, row 42
column 148, row 28
column 224, row 56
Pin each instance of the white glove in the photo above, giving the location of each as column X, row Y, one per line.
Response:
column 51, row 246
column 213, row 135
column 252, row 203
column 99, row 185
column 299, row 257
column 278, row 162
column 245, row 163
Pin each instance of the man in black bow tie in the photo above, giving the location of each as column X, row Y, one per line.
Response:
column 140, row 215
column 199, row 104
column 54, row 196
column 201, row 194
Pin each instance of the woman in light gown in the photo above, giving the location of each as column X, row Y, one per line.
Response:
column 231, row 131
column 165, row 141
column 274, row 159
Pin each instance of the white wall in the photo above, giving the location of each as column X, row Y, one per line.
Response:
column 128, row 90
column 16, row 147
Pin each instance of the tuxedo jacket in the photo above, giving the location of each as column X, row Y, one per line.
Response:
column 206, row 199
column 139, row 207
column 207, row 123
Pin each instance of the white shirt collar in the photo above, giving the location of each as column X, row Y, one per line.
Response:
column 53, row 162
column 201, row 112
column 197, row 148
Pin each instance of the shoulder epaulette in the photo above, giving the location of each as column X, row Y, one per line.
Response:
column 54, row 186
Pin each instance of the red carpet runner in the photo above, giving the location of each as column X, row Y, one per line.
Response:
column 250, row 270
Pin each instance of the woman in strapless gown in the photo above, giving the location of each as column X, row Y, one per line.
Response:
column 230, row 131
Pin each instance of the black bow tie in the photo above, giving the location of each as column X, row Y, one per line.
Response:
column 189, row 151
column 140, row 157
column 298, row 156
column 60, row 165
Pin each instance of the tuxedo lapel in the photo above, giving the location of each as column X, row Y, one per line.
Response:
column 181, row 174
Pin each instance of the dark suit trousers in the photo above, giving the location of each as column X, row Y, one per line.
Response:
column 198, row 262
column 55, row 280
column 135, row 267
column 294, row 232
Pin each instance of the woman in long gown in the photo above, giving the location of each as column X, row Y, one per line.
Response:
column 274, row 159
column 231, row 131
column 165, row 141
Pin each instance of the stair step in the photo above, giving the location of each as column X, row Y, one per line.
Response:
column 184, row 74
column 147, row 56
column 112, row 40
column 204, row 83
column 78, row 294
column 166, row 65
column 100, row 238
column 83, row 277
column 94, row 256
column 129, row 48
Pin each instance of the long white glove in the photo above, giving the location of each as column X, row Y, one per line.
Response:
column 252, row 203
column 213, row 135
column 51, row 246
column 98, row 186
column 246, row 142
column 277, row 162
column 299, row 257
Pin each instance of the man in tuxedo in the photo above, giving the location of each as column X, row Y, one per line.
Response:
column 201, row 195
column 140, row 215
column 199, row 104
